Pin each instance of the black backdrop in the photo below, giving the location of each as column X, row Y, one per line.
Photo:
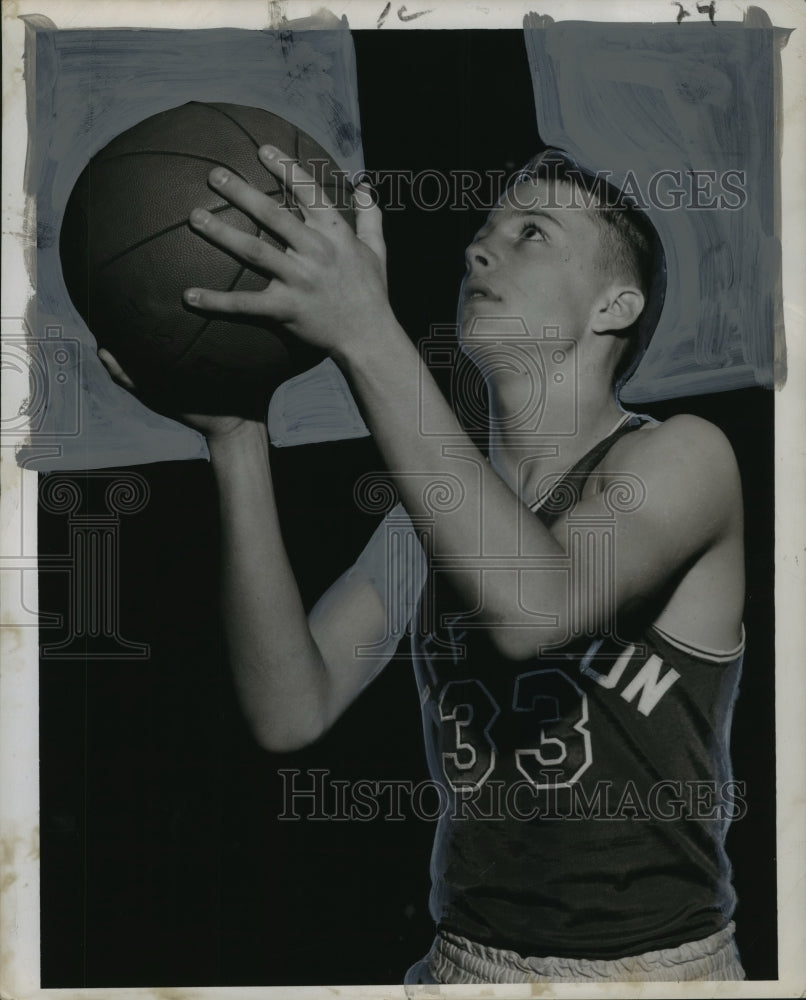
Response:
column 163, row 861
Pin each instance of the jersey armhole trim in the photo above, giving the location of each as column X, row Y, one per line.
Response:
column 627, row 417
column 703, row 652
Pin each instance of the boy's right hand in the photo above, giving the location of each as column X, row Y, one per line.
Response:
column 213, row 426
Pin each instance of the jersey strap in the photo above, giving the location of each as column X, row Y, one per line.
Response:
column 567, row 491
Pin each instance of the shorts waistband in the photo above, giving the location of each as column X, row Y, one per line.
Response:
column 457, row 960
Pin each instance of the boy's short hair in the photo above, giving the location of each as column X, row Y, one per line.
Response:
column 630, row 244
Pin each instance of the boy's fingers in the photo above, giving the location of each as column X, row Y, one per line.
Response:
column 246, row 247
column 265, row 210
column 243, row 303
column 307, row 193
column 110, row 363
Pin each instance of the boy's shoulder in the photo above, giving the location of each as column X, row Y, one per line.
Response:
column 684, row 456
column 688, row 441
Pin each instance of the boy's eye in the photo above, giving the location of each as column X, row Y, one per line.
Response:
column 531, row 231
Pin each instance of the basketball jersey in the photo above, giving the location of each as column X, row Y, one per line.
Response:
column 587, row 793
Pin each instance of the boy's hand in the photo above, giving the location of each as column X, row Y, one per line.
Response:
column 212, row 426
column 329, row 285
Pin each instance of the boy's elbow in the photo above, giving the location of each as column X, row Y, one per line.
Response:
column 289, row 730
column 512, row 642
column 284, row 738
column 520, row 643
column 283, row 720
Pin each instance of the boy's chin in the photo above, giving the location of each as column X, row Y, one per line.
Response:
column 477, row 327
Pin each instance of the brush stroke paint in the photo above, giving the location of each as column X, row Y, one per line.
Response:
column 700, row 104
column 86, row 87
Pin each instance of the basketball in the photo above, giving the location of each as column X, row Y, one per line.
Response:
column 128, row 253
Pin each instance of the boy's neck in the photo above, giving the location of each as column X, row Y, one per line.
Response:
column 530, row 442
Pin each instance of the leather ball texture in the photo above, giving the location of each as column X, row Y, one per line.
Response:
column 128, row 253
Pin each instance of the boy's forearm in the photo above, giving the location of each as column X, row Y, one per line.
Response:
column 518, row 581
column 279, row 672
column 444, row 478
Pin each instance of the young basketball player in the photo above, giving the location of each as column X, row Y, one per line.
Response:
column 579, row 640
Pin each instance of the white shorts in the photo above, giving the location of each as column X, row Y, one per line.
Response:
column 454, row 959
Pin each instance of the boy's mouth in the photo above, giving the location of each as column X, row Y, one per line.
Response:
column 475, row 289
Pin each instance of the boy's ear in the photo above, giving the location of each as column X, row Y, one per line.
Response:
column 619, row 307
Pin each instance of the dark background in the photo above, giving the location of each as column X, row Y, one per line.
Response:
column 163, row 861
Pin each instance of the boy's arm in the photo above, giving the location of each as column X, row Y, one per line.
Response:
column 327, row 289
column 295, row 673
column 532, row 586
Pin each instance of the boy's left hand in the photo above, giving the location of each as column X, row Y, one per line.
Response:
column 329, row 286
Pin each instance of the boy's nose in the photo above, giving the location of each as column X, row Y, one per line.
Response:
column 476, row 256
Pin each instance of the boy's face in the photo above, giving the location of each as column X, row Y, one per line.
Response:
column 538, row 260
